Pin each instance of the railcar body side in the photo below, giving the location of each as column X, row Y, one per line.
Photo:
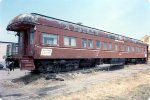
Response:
column 51, row 42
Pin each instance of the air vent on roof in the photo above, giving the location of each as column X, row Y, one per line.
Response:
column 79, row 23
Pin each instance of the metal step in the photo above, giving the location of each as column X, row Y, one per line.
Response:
column 27, row 63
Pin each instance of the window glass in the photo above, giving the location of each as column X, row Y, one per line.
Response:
column 125, row 48
column 122, row 47
column 116, row 47
column 136, row 49
column 8, row 50
column 104, row 45
column 110, row 46
column 73, row 41
column 69, row 41
column 84, row 43
column 97, row 44
column 66, row 40
column 128, row 48
column 133, row 49
column 51, row 39
column 139, row 49
column 14, row 48
column 31, row 38
column 21, row 44
column 90, row 44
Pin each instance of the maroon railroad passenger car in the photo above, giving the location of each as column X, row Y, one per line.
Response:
column 50, row 44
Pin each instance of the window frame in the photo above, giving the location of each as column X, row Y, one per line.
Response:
column 70, row 41
column 128, row 48
column 57, row 39
column 85, row 41
column 122, row 47
column 89, row 41
column 110, row 46
column 105, row 45
column 116, row 47
column 97, row 41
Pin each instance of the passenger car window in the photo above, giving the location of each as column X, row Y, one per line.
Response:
column 69, row 41
column 97, row 44
column 104, row 45
column 110, row 46
column 21, row 44
column 51, row 39
column 90, row 45
column 122, row 47
column 116, row 47
column 128, row 48
column 84, row 43
column 31, row 38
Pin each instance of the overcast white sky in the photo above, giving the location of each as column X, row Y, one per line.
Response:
column 126, row 17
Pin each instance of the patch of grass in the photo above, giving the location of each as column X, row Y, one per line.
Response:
column 142, row 92
column 114, row 98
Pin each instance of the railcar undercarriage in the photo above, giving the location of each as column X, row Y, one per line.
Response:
column 63, row 65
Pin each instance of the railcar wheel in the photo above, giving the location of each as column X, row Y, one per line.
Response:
column 68, row 68
column 56, row 69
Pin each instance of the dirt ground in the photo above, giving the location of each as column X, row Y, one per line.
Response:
column 136, row 87
column 129, row 83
